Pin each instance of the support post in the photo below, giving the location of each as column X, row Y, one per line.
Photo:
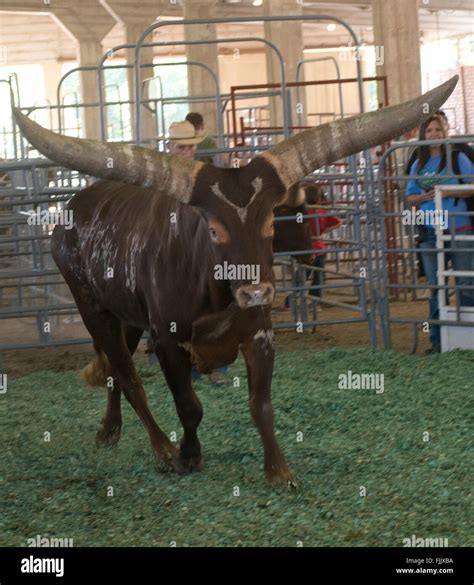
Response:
column 200, row 84
column 397, row 34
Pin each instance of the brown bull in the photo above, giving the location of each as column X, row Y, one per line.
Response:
column 143, row 251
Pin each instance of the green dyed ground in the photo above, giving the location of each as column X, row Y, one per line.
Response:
column 351, row 438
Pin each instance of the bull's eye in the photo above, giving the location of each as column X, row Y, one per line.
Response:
column 217, row 232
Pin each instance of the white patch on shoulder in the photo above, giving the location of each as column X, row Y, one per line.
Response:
column 132, row 256
column 267, row 337
column 186, row 345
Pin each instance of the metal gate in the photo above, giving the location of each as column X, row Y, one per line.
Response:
column 368, row 262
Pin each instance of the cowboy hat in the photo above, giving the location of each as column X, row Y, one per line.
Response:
column 184, row 133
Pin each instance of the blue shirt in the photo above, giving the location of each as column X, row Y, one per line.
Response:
column 419, row 186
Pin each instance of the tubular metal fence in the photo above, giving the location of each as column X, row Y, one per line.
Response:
column 371, row 260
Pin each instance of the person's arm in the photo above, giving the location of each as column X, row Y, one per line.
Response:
column 334, row 227
column 415, row 196
column 417, row 200
column 329, row 223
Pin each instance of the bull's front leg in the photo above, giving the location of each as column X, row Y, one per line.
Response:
column 259, row 353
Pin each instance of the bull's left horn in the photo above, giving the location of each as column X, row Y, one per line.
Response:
column 299, row 155
column 171, row 174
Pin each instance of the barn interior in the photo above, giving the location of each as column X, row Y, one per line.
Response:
column 258, row 71
column 233, row 79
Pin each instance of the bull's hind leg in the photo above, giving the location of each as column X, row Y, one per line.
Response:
column 108, row 334
column 176, row 365
column 109, row 433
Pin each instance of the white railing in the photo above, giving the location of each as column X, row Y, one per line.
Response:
column 452, row 336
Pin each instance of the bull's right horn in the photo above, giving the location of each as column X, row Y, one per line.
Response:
column 309, row 150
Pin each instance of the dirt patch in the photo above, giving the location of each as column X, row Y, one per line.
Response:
column 19, row 363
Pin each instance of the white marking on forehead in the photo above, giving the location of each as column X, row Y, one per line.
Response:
column 257, row 185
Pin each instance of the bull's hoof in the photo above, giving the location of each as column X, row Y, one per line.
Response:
column 281, row 478
column 166, row 459
column 184, row 466
column 108, row 437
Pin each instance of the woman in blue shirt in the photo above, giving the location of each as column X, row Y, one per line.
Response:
column 431, row 163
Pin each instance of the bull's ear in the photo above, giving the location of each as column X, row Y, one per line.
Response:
column 299, row 155
column 144, row 167
column 295, row 196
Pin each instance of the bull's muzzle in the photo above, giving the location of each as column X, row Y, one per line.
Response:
column 253, row 295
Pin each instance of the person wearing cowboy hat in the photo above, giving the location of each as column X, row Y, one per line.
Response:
column 183, row 139
column 208, row 142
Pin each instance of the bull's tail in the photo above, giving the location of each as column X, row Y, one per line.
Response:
column 95, row 373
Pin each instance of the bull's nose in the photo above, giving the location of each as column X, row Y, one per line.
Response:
column 253, row 295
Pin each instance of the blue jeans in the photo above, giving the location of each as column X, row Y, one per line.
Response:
column 196, row 374
column 459, row 261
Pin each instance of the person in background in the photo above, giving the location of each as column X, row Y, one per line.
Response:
column 431, row 163
column 207, row 143
column 323, row 225
column 411, row 154
column 183, row 139
column 460, row 147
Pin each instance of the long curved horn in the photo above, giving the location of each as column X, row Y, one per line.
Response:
column 299, row 155
column 172, row 174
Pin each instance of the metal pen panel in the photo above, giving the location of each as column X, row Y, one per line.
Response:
column 110, row 52
column 191, row 22
column 299, row 67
